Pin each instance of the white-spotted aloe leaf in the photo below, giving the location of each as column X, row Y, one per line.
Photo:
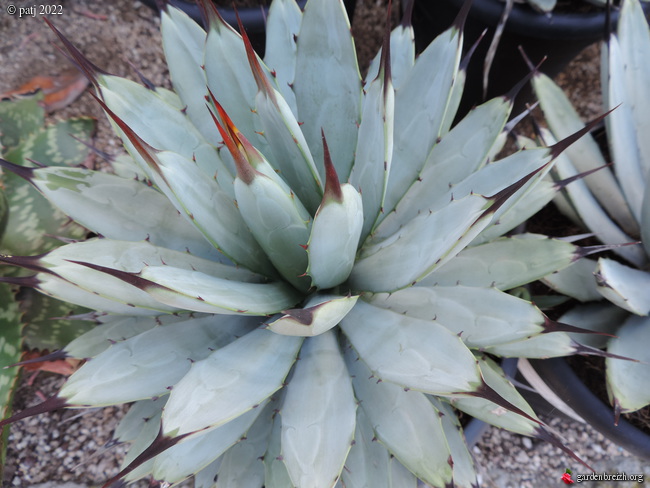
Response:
column 628, row 382
column 32, row 218
column 51, row 324
column 327, row 83
column 249, row 370
column 405, row 422
column 162, row 355
column 10, row 350
column 318, row 414
column 335, row 231
column 318, row 315
column 20, row 118
column 624, row 286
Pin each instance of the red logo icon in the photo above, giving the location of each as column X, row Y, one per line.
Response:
column 566, row 477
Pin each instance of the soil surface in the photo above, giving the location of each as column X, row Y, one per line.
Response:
column 69, row 446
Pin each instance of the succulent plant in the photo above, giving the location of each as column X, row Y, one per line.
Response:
column 297, row 264
column 28, row 224
column 615, row 205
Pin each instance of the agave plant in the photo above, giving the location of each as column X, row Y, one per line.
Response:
column 28, row 224
column 298, row 264
column 615, row 206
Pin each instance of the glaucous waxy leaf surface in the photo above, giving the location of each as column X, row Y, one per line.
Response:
column 492, row 413
column 624, row 286
column 505, row 263
column 257, row 254
column 629, row 381
column 412, row 357
column 392, row 411
column 318, row 414
column 480, row 316
column 318, row 315
column 327, row 83
column 162, row 355
column 248, row 379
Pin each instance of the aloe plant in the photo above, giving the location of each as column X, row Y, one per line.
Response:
column 613, row 203
column 298, row 262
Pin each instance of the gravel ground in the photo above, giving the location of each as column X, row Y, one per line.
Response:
column 69, row 447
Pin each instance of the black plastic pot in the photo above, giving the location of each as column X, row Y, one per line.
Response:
column 253, row 18
column 559, row 36
column 564, row 382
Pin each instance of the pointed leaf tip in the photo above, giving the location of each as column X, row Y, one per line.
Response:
column 464, row 63
column 144, row 149
column 488, row 393
column 159, row 445
column 53, row 356
column 384, row 63
column 559, row 147
column 263, row 84
column 131, row 278
column 461, row 18
column 407, row 17
column 234, row 141
column 90, row 70
column 22, row 171
column 52, row 403
column 543, row 434
column 514, row 91
column 332, row 184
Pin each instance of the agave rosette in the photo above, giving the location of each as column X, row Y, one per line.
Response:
column 298, row 264
column 614, row 203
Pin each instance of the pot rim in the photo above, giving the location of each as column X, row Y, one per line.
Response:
column 525, row 21
column 561, row 378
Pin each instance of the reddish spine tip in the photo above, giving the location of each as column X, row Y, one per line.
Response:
column 332, row 185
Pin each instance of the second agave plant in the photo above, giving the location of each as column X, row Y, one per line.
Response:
column 299, row 263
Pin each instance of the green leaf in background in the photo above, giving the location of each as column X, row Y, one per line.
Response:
column 42, row 330
column 19, row 118
column 10, row 348
column 31, row 217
